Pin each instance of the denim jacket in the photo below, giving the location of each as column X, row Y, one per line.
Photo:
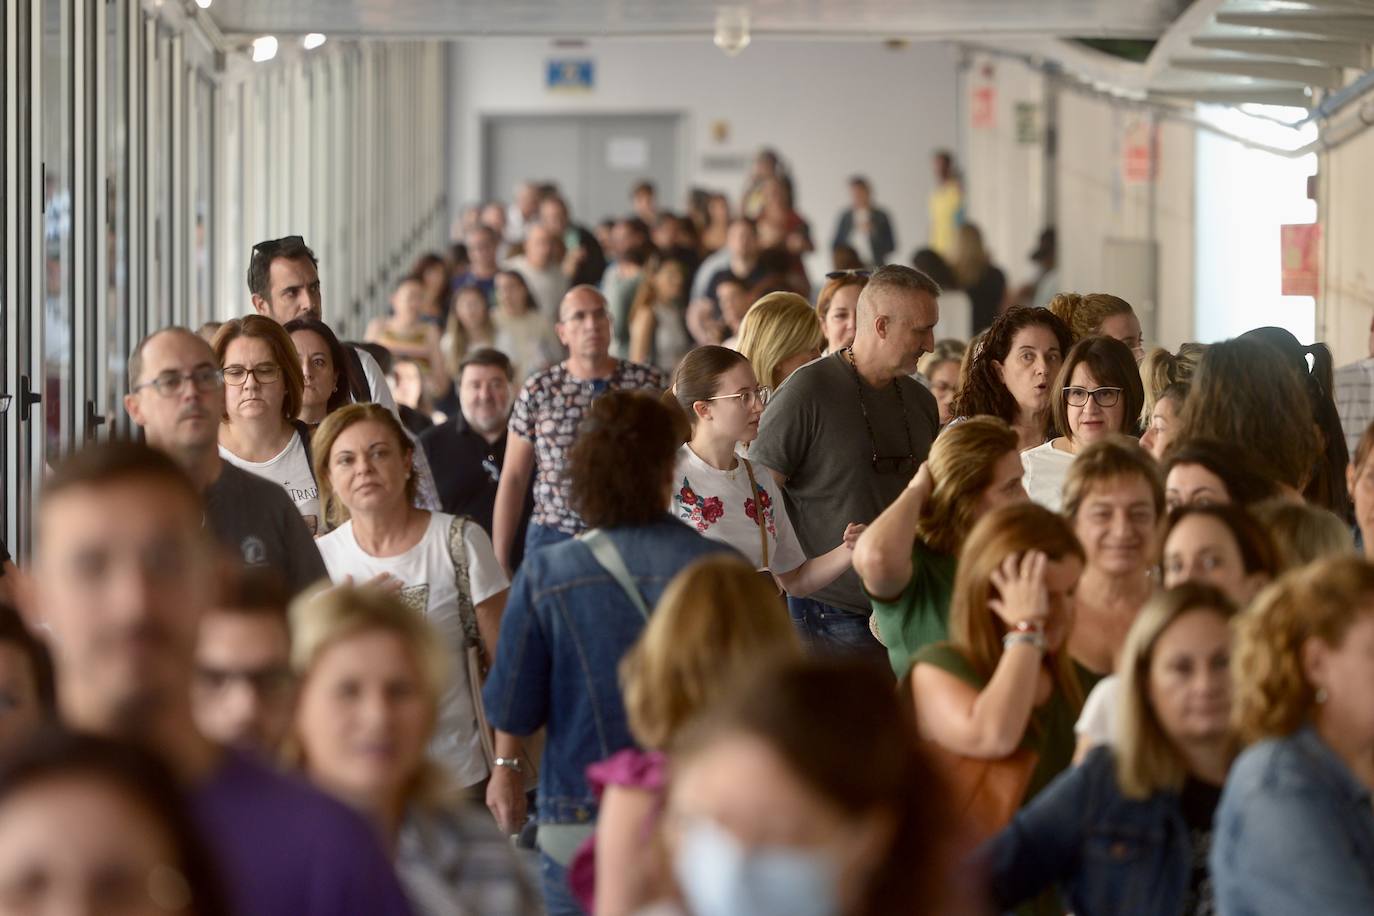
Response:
column 1294, row 834
column 1108, row 854
column 566, row 626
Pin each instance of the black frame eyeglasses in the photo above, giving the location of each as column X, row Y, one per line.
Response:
column 884, row 464
column 862, row 273
column 167, row 384
column 1106, row 396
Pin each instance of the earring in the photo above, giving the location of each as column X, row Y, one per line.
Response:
column 1321, row 695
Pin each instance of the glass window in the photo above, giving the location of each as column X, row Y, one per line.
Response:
column 202, row 199
column 56, row 284
column 116, row 231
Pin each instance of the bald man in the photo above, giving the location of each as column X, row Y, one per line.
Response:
column 544, row 424
column 845, row 436
column 176, row 394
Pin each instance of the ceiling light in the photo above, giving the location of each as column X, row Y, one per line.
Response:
column 264, row 48
column 732, row 29
column 312, row 41
column 204, row 4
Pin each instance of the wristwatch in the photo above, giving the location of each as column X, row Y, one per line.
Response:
column 510, row 763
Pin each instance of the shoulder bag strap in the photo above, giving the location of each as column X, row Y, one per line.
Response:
column 758, row 509
column 303, row 433
column 458, row 555
column 605, row 553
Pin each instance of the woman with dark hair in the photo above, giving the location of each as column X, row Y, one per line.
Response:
column 956, row 308
column 1011, row 370
column 1327, row 487
column 1221, row 545
column 433, row 271
column 1097, row 394
column 92, row 825
column 984, row 283
column 28, row 694
column 1237, row 397
column 1203, row 471
column 765, row 815
column 576, row 607
column 326, row 370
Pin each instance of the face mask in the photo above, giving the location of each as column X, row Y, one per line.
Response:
column 719, row 877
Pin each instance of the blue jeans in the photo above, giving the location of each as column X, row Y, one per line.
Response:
column 558, row 898
column 827, row 630
column 537, row 536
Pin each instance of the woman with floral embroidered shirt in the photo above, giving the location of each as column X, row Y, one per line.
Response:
column 719, row 493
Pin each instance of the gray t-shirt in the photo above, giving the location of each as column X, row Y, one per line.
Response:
column 813, row 433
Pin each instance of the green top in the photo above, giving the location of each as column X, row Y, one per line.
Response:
column 1050, row 733
column 918, row 616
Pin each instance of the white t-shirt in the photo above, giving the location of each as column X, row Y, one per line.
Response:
column 291, row 471
column 1097, row 721
column 720, row 505
column 1046, row 469
column 430, row 587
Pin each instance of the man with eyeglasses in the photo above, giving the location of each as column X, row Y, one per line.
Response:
column 243, row 694
column 123, row 572
column 176, row 395
column 544, row 425
column 844, row 436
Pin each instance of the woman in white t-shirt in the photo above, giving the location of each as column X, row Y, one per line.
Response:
column 721, row 494
column 259, row 431
column 364, row 461
column 1098, row 394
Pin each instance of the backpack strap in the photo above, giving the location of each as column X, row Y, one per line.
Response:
column 303, row 433
column 608, row 556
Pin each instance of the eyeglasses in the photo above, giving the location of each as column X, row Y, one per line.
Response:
column 167, row 384
column 1105, row 397
column 264, row 373
column 860, row 273
column 759, row 397
column 885, row 464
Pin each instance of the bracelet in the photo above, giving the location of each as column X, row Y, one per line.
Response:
column 1029, row 626
column 1027, row 638
column 510, row 763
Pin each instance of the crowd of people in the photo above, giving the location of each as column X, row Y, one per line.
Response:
column 614, row 574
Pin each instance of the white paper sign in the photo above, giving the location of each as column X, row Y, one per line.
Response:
column 627, row 153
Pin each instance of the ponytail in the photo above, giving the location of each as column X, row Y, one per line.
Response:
column 698, row 376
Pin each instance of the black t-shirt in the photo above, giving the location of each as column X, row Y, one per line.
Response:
column 1199, row 804
column 257, row 520
column 466, row 472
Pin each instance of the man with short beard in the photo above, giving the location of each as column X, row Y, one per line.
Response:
column 468, row 451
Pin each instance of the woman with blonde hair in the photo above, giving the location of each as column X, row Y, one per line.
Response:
column 1004, row 682
column 1295, row 831
column 372, row 673
column 720, row 493
column 837, row 306
column 780, row 334
column 1100, row 315
column 1160, row 369
column 716, row 619
column 1303, row 533
column 1158, row 785
column 940, row 368
column 908, row 556
column 443, row 566
column 985, row 284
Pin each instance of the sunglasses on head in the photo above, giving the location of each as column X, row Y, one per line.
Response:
column 271, row 246
column 859, row 272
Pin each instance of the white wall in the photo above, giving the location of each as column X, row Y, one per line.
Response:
column 831, row 108
column 1347, row 289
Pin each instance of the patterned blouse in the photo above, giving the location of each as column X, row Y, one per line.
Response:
column 547, row 414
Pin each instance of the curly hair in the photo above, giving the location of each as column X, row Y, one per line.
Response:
column 1238, row 397
column 623, row 459
column 1273, row 696
column 961, row 462
column 984, row 393
column 1084, row 313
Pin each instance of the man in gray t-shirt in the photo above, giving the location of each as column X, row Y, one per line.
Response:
column 845, row 435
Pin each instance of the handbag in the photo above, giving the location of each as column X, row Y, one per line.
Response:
column 984, row 795
column 475, row 651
